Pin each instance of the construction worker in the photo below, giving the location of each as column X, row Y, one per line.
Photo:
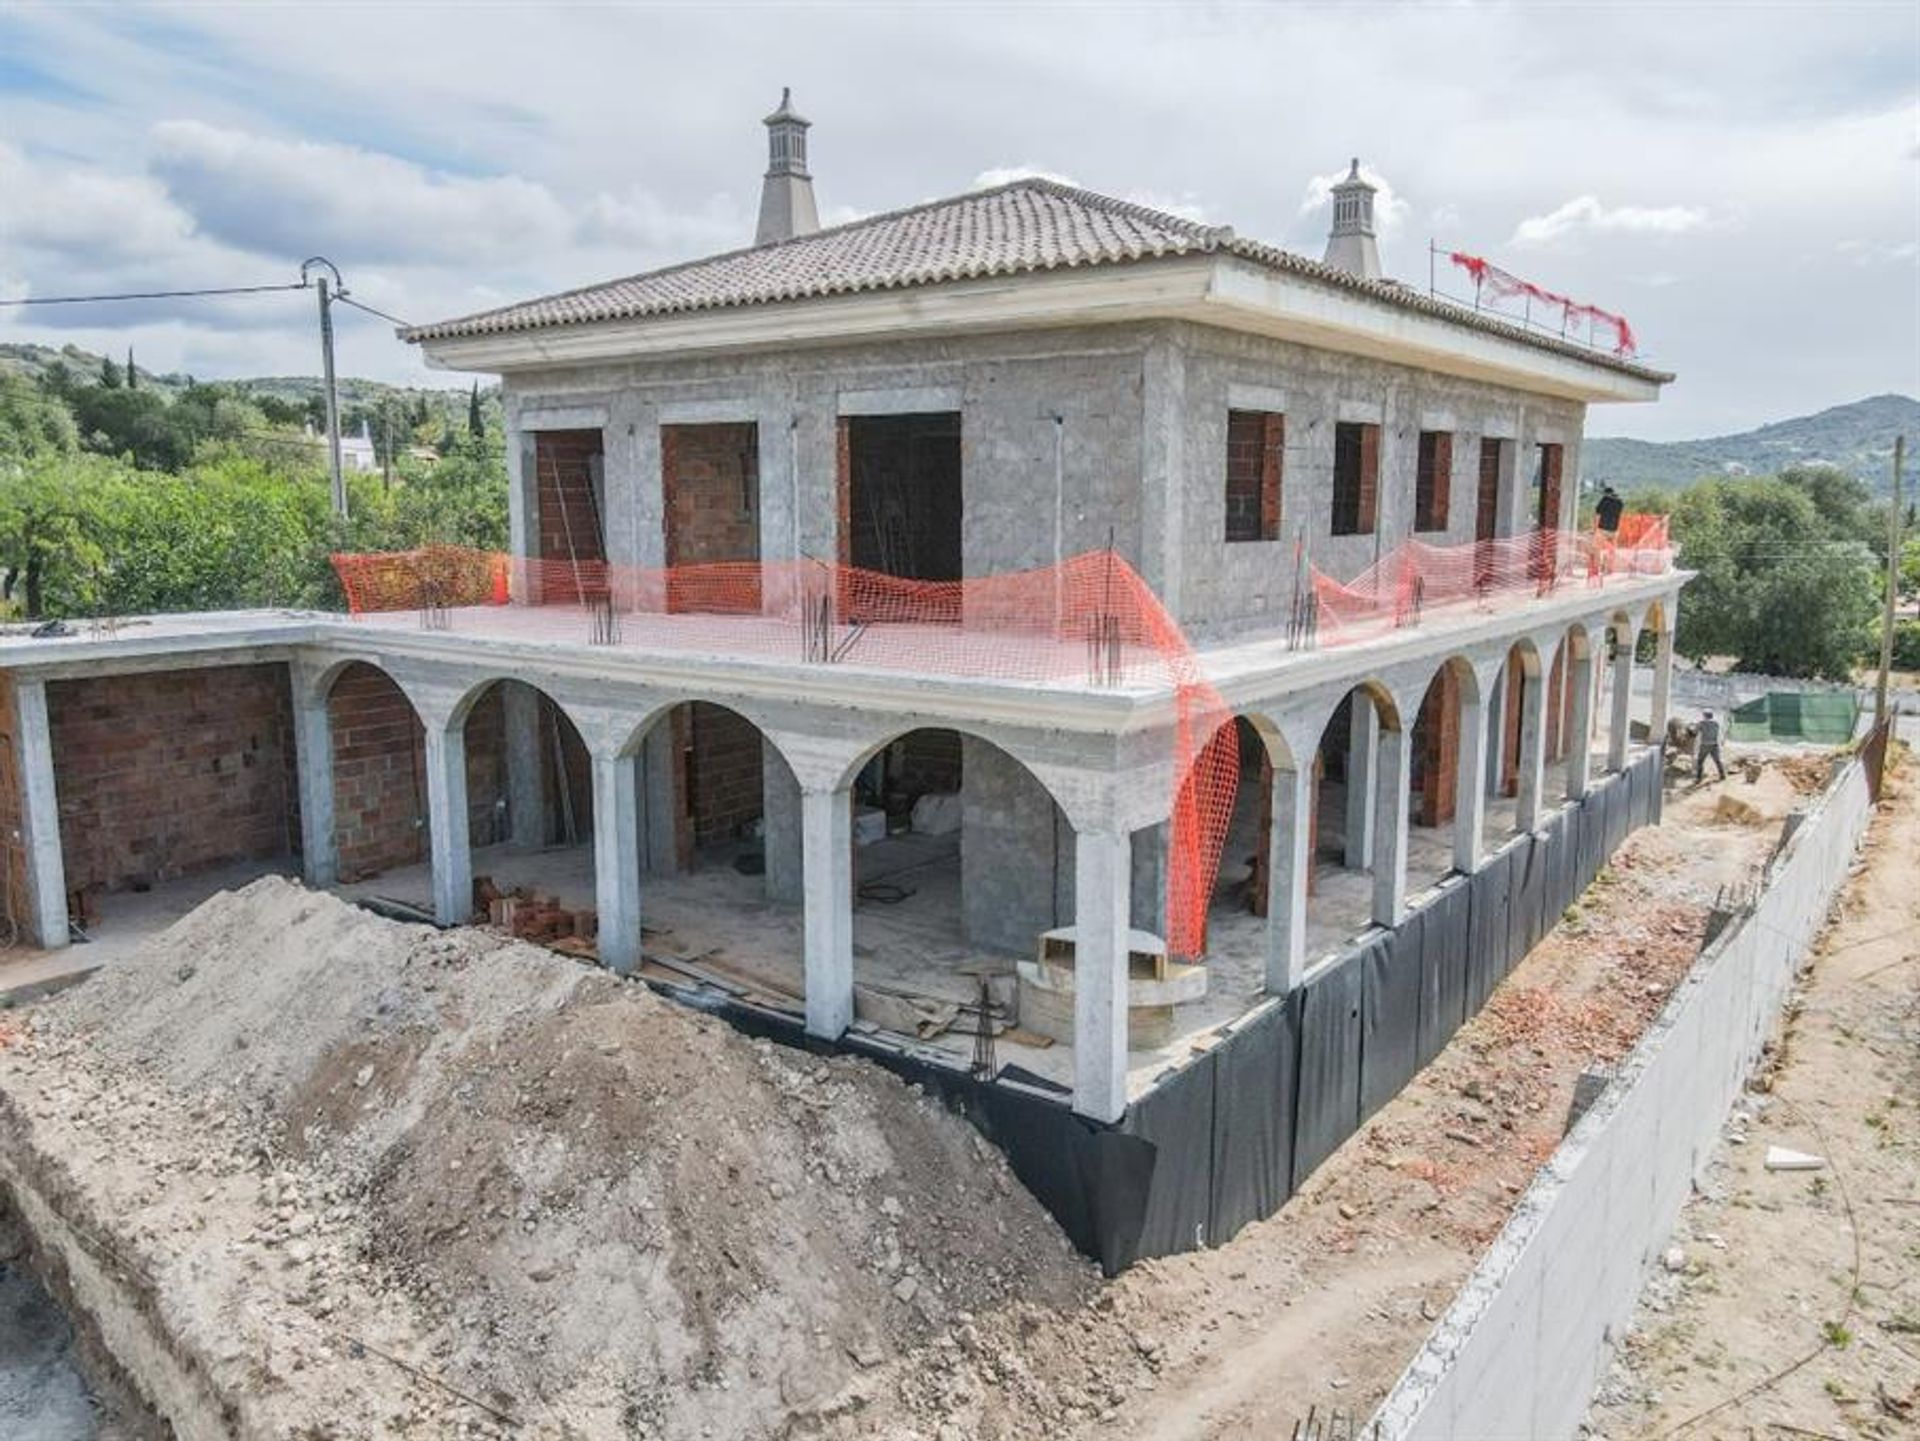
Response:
column 1606, row 511
column 1706, row 745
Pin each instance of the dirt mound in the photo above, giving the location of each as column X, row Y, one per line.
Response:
column 515, row 1187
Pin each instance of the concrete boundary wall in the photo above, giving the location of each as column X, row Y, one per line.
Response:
column 1520, row 1350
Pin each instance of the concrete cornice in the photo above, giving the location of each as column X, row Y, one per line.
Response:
column 1221, row 290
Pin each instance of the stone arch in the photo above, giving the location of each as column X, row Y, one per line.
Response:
column 529, row 764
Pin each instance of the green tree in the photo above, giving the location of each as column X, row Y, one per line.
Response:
column 133, row 377
column 1781, row 586
column 109, row 374
column 33, row 422
column 49, row 544
column 475, row 424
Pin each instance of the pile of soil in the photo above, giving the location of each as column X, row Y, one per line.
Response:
column 379, row 1180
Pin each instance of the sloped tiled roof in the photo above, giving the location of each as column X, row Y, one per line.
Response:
column 1024, row 227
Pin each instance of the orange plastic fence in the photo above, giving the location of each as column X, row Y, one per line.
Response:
column 1089, row 620
column 1415, row 577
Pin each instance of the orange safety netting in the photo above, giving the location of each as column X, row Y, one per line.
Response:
column 1399, row 587
column 1090, row 620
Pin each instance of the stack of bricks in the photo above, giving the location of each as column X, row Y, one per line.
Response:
column 164, row 774
column 531, row 915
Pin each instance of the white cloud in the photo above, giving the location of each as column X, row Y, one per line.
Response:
column 297, row 196
column 1390, row 211
column 1585, row 213
column 1879, row 252
column 95, row 213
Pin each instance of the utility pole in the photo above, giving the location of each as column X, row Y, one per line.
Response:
column 332, row 395
column 1881, row 692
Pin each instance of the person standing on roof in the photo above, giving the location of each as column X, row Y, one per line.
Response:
column 1607, row 511
column 1706, row 744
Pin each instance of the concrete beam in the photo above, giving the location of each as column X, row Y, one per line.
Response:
column 39, row 816
column 447, row 823
column 1289, row 864
column 616, row 859
column 1103, row 867
column 826, row 822
column 1390, row 827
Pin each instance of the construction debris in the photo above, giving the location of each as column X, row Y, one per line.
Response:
column 1779, row 1158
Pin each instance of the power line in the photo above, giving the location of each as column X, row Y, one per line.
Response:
column 151, row 294
column 345, row 299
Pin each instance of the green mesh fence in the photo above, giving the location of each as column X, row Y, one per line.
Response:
column 1822, row 717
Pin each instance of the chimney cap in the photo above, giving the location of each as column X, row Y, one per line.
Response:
column 786, row 114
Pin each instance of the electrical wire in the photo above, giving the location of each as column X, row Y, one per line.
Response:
column 151, row 294
column 346, row 299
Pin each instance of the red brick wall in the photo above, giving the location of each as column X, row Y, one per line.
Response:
column 725, row 773
column 564, row 461
column 379, row 774
column 1256, row 440
column 18, row 910
column 710, row 479
column 165, row 774
column 1436, row 734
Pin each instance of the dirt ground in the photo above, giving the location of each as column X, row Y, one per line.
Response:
column 442, row 1184
column 1323, row 1304
column 1789, row 1302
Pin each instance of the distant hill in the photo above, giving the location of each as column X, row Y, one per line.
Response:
column 357, row 395
column 1858, row 438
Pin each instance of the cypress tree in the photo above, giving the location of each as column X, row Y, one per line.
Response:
column 109, row 374
column 133, row 381
column 475, row 426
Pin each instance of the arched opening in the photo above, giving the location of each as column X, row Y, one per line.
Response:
column 379, row 776
column 716, row 852
column 1434, row 800
column 1614, row 682
column 1242, row 901
column 1519, row 701
column 1359, row 763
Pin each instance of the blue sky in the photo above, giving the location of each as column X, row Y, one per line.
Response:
column 1741, row 181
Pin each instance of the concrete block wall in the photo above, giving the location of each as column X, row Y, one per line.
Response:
column 1512, row 1356
column 1223, row 589
column 171, row 772
column 1016, row 855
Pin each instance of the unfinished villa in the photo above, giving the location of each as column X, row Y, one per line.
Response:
column 1141, row 682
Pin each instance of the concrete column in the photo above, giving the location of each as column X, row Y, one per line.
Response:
column 1149, row 904
column 1390, row 827
column 523, row 496
column 526, row 786
column 780, row 827
column 39, row 816
column 1531, row 772
column 1103, row 863
column 447, row 824
column 660, row 785
column 1662, row 682
column 1470, row 787
column 1363, row 741
column 1289, row 863
column 1496, row 726
column 1580, row 749
column 616, row 859
column 313, row 760
column 826, row 823
column 1622, row 700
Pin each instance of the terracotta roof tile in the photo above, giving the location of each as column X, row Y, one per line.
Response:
column 1026, row 226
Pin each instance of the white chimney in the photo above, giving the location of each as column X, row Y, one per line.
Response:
column 786, row 196
column 1350, row 244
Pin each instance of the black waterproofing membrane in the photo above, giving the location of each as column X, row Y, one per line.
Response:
column 1227, row 1138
